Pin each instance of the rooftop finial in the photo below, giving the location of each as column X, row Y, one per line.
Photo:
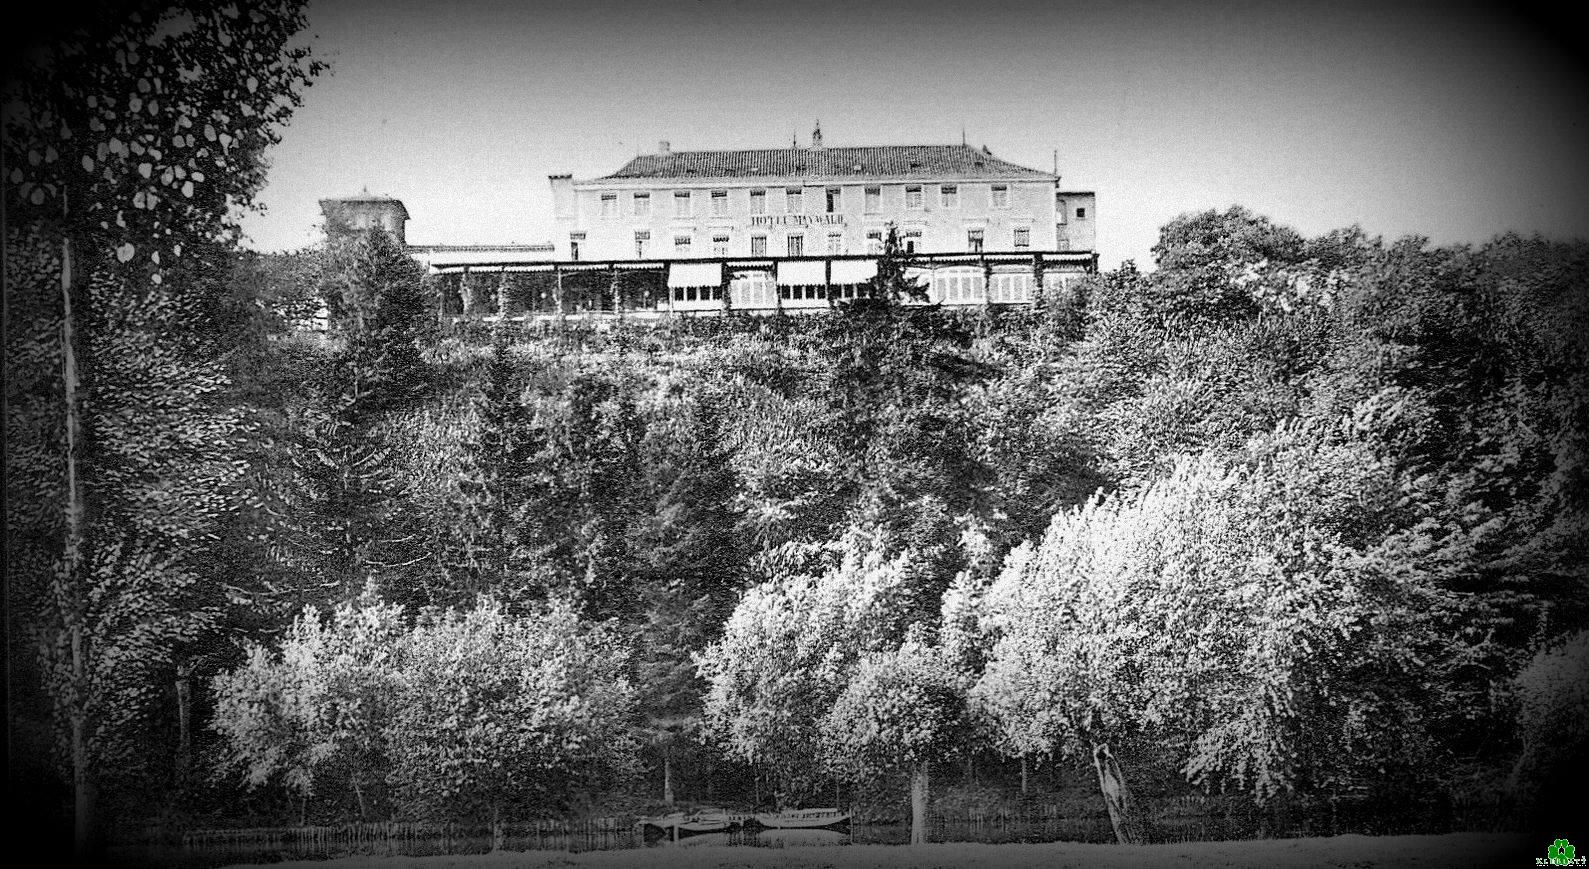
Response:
column 816, row 136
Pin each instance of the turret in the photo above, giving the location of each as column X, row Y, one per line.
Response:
column 349, row 214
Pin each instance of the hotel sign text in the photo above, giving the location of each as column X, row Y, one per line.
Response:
column 795, row 219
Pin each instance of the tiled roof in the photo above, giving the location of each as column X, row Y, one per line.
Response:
column 365, row 197
column 883, row 162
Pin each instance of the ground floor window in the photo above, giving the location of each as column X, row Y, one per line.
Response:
column 959, row 285
column 1011, row 286
column 802, row 292
column 697, row 294
column 753, row 290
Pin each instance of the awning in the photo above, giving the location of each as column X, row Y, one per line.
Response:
column 854, row 271
column 695, row 275
column 802, row 273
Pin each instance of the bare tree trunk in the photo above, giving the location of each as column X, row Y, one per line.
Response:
column 184, row 760
column 1122, row 808
column 918, row 804
column 496, row 827
column 358, row 792
column 1023, row 775
column 72, row 578
column 667, row 775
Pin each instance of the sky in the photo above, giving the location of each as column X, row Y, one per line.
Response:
column 1454, row 121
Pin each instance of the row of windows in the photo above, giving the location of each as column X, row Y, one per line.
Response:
column 794, row 200
column 953, row 285
column 759, row 290
column 795, row 243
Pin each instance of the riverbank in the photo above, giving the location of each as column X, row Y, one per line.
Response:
column 1451, row 851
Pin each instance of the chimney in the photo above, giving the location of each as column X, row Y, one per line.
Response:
column 663, row 147
column 816, row 136
column 562, row 196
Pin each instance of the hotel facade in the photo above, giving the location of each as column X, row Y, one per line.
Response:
column 796, row 202
column 788, row 229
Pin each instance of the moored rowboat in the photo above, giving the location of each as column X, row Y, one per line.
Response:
column 795, row 819
column 704, row 821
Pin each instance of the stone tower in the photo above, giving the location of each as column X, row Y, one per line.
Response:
column 348, row 214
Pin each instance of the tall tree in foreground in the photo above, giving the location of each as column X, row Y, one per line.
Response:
column 316, row 708
column 130, row 131
column 503, row 716
column 837, row 669
column 1247, row 618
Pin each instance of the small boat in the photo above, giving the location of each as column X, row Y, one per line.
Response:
column 703, row 821
column 797, row 819
column 705, row 824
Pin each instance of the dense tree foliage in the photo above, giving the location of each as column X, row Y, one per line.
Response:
column 133, row 131
column 460, row 715
column 1302, row 521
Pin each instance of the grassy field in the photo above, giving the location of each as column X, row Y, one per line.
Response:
column 1453, row 851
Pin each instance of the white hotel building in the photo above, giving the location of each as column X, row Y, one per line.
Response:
column 794, row 229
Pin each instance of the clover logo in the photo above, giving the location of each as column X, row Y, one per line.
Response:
column 1561, row 853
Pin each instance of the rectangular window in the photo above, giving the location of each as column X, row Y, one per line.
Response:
column 642, row 204
column 1001, row 196
column 835, row 242
column 874, row 200
column 758, row 245
column 913, row 197
column 609, row 205
column 719, row 245
column 949, row 194
column 1023, row 238
column 792, row 202
column 974, row 240
column 681, row 245
column 641, row 238
column 758, row 202
column 833, row 199
column 910, row 240
column 719, row 203
column 1081, row 214
column 797, row 245
column 681, row 203
column 874, row 242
